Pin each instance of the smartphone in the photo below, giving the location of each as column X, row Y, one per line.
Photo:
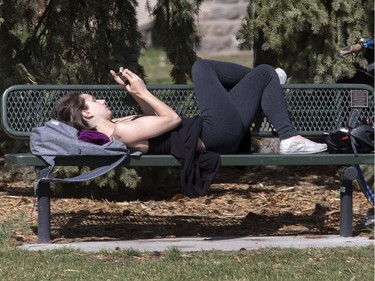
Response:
column 126, row 81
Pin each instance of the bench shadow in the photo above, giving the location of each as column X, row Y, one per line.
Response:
column 93, row 225
column 168, row 191
column 89, row 226
column 84, row 225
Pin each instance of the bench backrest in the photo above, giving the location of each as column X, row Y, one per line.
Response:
column 313, row 108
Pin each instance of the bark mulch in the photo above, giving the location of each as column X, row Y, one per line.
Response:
column 253, row 201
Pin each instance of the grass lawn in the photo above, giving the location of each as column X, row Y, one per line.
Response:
column 157, row 67
column 267, row 264
column 349, row 263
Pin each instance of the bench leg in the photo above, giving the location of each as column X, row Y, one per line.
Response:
column 348, row 174
column 44, row 210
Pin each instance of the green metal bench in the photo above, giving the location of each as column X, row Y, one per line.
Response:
column 313, row 108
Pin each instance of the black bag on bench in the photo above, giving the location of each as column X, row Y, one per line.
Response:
column 350, row 140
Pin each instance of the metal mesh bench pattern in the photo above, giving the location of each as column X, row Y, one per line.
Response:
column 311, row 108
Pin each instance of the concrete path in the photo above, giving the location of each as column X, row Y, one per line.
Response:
column 216, row 243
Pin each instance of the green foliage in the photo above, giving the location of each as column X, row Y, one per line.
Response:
column 157, row 176
column 177, row 31
column 12, row 145
column 156, row 65
column 303, row 36
column 368, row 174
column 67, row 42
column 10, row 22
column 114, row 180
column 19, row 173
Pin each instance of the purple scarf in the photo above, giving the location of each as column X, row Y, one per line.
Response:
column 93, row 136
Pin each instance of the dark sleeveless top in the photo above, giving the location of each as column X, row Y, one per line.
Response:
column 160, row 144
column 198, row 168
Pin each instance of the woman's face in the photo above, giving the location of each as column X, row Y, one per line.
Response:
column 96, row 108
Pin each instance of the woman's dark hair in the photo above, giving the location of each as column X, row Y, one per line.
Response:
column 68, row 109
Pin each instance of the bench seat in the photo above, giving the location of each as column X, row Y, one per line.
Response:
column 254, row 159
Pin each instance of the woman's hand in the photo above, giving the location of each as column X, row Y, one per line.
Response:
column 149, row 104
column 135, row 84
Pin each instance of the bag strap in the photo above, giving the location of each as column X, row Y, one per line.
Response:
column 353, row 143
column 99, row 171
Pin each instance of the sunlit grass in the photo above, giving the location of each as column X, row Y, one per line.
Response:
column 173, row 264
column 157, row 66
column 350, row 263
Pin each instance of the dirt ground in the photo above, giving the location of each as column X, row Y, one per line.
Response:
column 253, row 201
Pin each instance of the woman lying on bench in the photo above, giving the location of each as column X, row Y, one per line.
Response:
column 228, row 95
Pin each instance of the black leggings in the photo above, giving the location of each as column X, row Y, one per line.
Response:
column 229, row 95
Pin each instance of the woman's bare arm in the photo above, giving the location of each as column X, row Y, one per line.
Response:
column 164, row 119
column 135, row 88
column 143, row 128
